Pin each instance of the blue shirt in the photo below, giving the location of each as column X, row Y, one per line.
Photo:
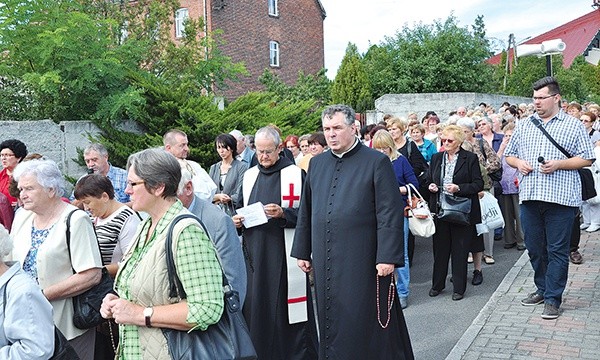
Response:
column 118, row 178
column 529, row 143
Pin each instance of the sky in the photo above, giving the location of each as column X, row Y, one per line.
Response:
column 369, row 22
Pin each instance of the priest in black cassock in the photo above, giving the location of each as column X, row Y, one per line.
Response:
column 277, row 309
column 350, row 231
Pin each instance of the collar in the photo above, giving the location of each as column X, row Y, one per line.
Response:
column 347, row 151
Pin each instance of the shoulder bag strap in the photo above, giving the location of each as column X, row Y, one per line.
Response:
column 410, row 187
column 68, row 237
column 175, row 285
column 538, row 124
column 482, row 149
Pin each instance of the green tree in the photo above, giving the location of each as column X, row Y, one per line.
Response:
column 307, row 87
column 438, row 57
column 17, row 100
column 351, row 85
column 79, row 55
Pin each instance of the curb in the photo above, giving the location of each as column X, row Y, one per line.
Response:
column 463, row 344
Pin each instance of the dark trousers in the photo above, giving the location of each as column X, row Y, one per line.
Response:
column 451, row 241
column 575, row 233
column 547, row 228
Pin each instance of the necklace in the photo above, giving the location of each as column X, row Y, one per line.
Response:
column 49, row 220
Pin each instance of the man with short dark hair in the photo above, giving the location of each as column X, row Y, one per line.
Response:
column 549, row 201
column 350, row 226
column 176, row 142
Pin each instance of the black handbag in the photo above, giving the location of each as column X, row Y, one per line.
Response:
column 451, row 208
column 63, row 350
column 86, row 306
column 228, row 339
column 454, row 209
column 588, row 189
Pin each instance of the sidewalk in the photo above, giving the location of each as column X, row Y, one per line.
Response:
column 505, row 329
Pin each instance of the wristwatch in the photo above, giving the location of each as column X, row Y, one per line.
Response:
column 147, row 315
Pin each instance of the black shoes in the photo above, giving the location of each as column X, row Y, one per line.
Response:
column 477, row 277
column 434, row 293
column 510, row 246
column 457, row 296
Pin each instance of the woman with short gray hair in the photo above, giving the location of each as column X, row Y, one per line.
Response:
column 143, row 306
column 41, row 228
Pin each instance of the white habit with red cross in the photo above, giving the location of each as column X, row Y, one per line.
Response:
column 291, row 190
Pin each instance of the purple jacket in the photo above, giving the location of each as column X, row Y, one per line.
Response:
column 509, row 181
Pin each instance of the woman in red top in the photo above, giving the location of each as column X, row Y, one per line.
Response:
column 11, row 153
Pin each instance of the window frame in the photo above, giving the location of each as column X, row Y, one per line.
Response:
column 273, row 8
column 181, row 15
column 274, row 53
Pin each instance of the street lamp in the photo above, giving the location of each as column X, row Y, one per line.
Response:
column 546, row 48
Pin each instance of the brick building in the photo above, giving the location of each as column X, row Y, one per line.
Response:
column 285, row 36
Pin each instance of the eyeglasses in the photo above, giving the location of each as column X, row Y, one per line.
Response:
column 449, row 141
column 6, row 155
column 585, row 120
column 265, row 152
column 535, row 98
column 134, row 183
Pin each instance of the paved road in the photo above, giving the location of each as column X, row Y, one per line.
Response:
column 436, row 324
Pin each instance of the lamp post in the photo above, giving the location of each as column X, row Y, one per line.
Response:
column 546, row 48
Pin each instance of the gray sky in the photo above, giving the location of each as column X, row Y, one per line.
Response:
column 368, row 22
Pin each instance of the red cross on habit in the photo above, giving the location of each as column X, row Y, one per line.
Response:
column 291, row 197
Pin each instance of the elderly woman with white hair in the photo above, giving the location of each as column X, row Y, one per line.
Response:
column 23, row 304
column 40, row 228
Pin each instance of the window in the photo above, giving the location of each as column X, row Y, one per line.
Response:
column 273, row 11
column 181, row 16
column 274, row 53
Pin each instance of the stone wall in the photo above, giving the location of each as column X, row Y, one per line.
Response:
column 58, row 142
column 441, row 103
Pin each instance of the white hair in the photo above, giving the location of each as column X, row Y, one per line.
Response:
column 237, row 134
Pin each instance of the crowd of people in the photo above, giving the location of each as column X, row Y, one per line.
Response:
column 288, row 220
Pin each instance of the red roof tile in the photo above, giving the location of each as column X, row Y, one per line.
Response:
column 576, row 34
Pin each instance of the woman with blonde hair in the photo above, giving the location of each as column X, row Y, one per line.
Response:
column 456, row 172
column 397, row 127
column 382, row 141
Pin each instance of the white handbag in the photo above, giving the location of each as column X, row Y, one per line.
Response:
column 420, row 221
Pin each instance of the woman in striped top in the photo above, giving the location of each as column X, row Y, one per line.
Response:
column 115, row 223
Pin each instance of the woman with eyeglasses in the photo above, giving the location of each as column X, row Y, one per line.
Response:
column 41, row 227
column 143, row 305
column 489, row 160
column 11, row 153
column 454, row 171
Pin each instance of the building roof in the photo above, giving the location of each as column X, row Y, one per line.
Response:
column 579, row 35
column 323, row 13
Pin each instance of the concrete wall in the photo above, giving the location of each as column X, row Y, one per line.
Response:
column 441, row 103
column 58, row 142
